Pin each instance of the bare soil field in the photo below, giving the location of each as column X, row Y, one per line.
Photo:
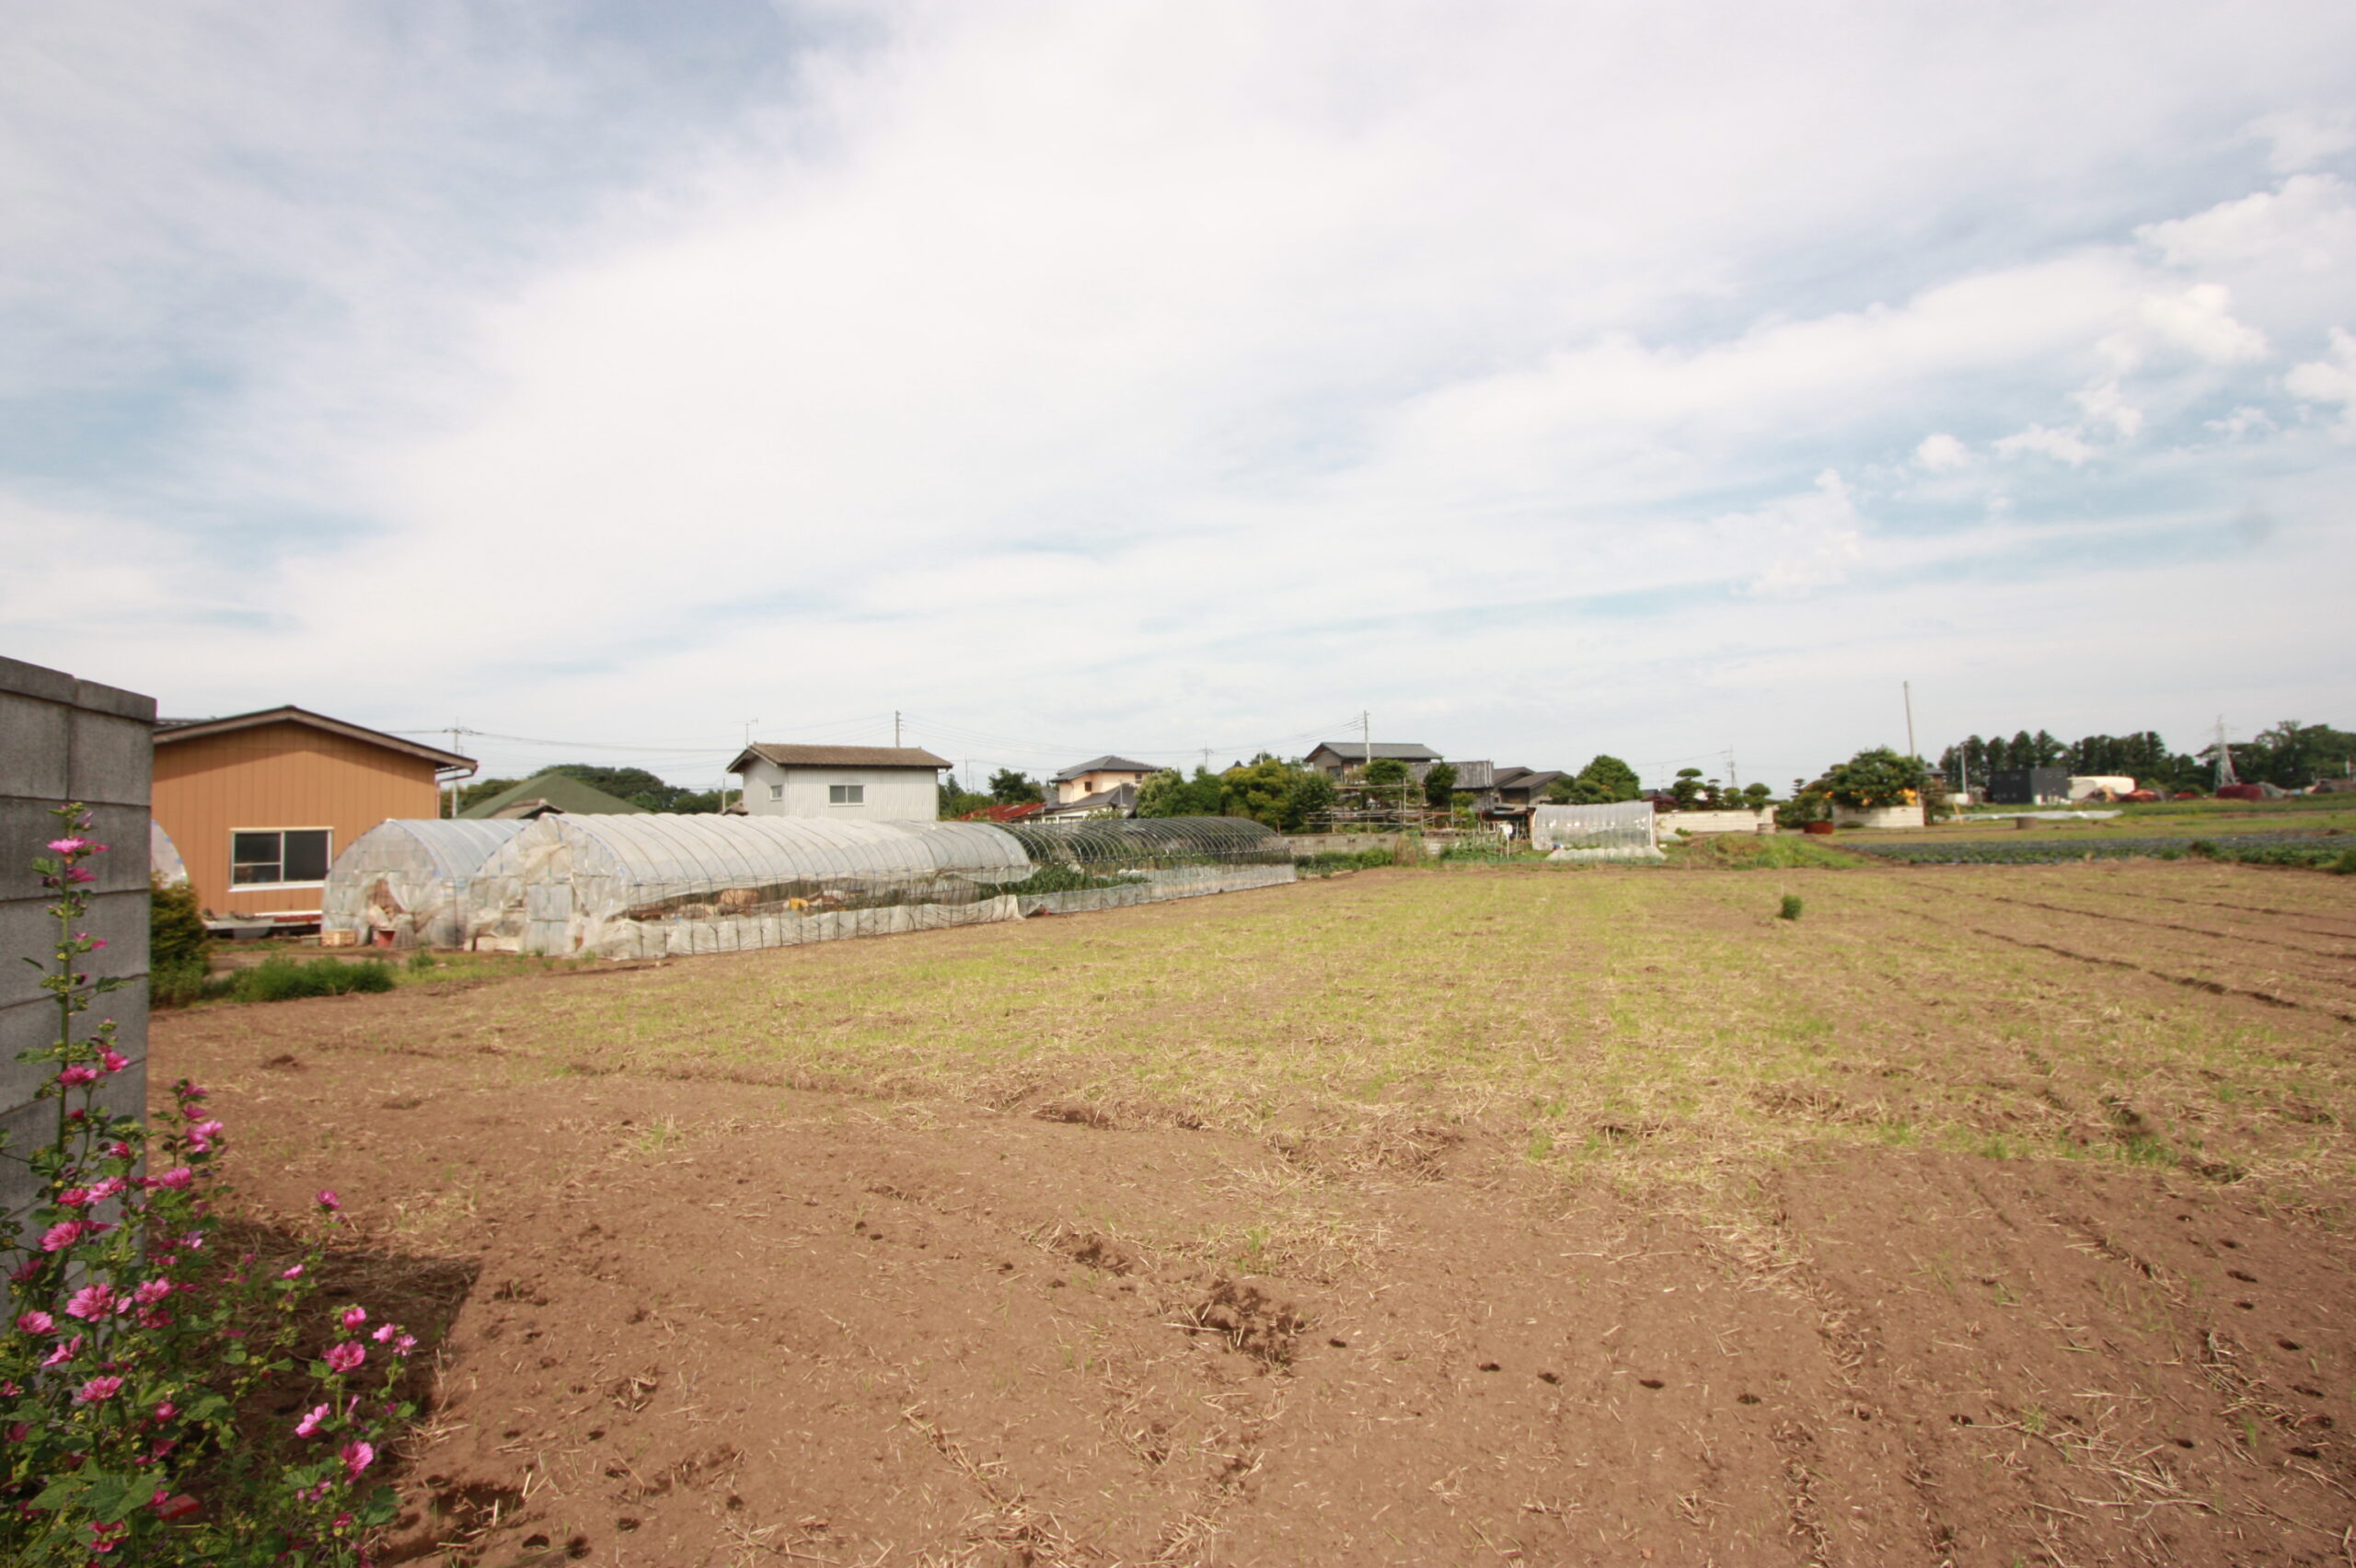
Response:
column 1499, row 1216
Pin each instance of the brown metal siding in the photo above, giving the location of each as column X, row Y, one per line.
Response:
column 278, row 776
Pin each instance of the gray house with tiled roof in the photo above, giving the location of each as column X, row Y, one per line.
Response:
column 1338, row 759
column 1100, row 776
column 870, row 783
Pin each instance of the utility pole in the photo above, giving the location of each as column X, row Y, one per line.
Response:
column 1366, row 734
column 895, row 728
column 456, row 730
column 2224, row 756
column 1907, row 687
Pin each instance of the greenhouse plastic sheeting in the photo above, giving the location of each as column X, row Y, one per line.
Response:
column 410, row 879
column 648, row 886
column 1622, row 831
column 163, row 863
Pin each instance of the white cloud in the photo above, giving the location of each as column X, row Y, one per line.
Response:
column 2200, row 322
column 2302, row 138
column 2330, row 380
column 1943, row 454
column 2246, row 421
column 2066, row 445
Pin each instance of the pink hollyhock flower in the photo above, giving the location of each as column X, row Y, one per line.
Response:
column 96, row 942
column 346, row 1357
column 311, row 1420
column 77, row 874
column 151, row 1291
column 178, row 1176
column 114, row 1061
column 92, row 1301
column 207, row 1130
column 178, row 1507
column 65, row 1352
column 19, row 1432
column 383, row 1334
column 103, row 1190
column 294, row 1272
column 404, row 1344
column 68, row 845
column 167, row 1410
column 37, row 1323
column 355, row 1315
column 329, row 1201
column 23, row 1272
column 97, row 1389
column 358, row 1456
column 73, row 1197
column 62, row 1235
column 120, row 1149
column 193, row 1092
column 76, row 1075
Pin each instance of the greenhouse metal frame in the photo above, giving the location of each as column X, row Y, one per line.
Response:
column 1623, row 830
column 1111, row 862
column 410, row 880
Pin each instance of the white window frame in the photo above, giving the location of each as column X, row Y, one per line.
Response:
column 777, row 792
column 237, row 886
column 846, row 794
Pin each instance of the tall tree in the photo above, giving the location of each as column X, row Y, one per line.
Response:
column 1010, row 788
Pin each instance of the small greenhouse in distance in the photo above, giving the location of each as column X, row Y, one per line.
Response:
column 410, row 882
column 1107, row 863
column 1620, row 831
column 652, row 885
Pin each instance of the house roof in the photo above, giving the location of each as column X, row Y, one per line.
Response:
column 170, row 730
column 1122, row 798
column 1107, row 763
column 552, row 793
column 1357, row 751
column 1015, row 812
column 838, row 756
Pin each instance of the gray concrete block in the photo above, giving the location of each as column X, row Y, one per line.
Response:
column 99, row 697
column 25, row 931
column 127, row 865
column 37, row 680
column 112, row 759
column 35, row 743
column 26, row 828
column 119, row 919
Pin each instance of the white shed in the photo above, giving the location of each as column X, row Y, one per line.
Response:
column 841, row 783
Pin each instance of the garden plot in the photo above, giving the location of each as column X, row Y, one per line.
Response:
column 1524, row 1215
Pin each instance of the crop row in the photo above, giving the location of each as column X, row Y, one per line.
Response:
column 2252, row 849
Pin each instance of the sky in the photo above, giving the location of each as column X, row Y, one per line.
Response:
column 1687, row 383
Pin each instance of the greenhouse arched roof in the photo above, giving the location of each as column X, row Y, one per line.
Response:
column 453, row 849
column 717, row 851
column 1238, row 840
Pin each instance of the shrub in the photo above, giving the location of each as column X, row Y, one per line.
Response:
column 136, row 1358
column 176, row 933
column 1792, row 907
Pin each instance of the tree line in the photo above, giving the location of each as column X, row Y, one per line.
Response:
column 2289, row 755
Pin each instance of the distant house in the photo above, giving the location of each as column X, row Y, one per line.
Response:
column 536, row 798
column 258, row 804
column 1119, row 801
column 1506, row 794
column 871, row 783
column 1338, row 759
column 1015, row 812
column 1096, row 777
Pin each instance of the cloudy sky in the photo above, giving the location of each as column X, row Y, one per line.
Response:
column 1546, row 379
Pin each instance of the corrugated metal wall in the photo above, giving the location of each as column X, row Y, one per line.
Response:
column 278, row 776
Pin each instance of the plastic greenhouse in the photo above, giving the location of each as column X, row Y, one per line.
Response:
column 646, row 886
column 1622, row 831
column 1107, row 863
column 410, row 880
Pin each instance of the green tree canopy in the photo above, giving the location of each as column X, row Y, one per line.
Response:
column 1385, row 770
column 1877, row 777
column 1279, row 794
column 1605, row 780
column 1440, row 785
column 1170, row 793
column 1008, row 787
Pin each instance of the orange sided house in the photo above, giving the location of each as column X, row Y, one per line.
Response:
column 260, row 804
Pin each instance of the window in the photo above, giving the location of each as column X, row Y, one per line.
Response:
column 275, row 856
column 777, row 792
column 846, row 794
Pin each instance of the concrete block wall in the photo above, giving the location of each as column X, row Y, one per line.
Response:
column 63, row 739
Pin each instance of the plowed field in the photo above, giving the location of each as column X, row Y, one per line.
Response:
column 1977, row 1217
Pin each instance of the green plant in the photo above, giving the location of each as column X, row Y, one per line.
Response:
column 135, row 1353
column 421, row 962
column 281, row 979
column 1791, row 908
